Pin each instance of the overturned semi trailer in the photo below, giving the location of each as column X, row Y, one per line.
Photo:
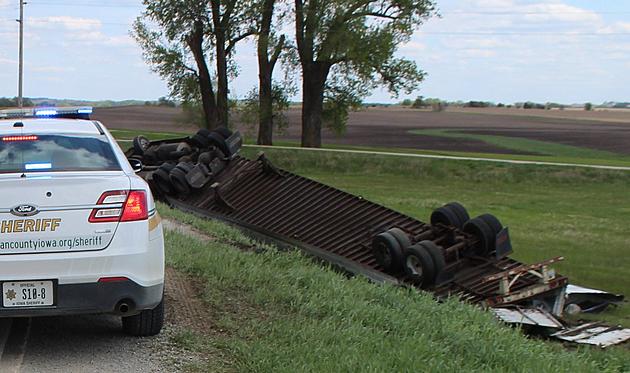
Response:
column 453, row 256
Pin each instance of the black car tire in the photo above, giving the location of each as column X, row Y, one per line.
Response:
column 146, row 323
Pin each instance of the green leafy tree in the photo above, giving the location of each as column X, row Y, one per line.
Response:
column 250, row 112
column 588, row 106
column 186, row 36
column 355, row 41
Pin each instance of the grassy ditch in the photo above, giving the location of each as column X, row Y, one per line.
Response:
column 282, row 312
column 581, row 214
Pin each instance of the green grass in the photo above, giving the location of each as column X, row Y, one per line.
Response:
column 581, row 214
column 282, row 312
column 151, row 135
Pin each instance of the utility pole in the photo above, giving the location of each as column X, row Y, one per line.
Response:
column 21, row 58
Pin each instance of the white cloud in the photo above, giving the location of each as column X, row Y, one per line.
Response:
column 7, row 61
column 559, row 12
column 51, row 69
column 67, row 22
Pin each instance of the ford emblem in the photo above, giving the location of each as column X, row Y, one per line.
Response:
column 25, row 210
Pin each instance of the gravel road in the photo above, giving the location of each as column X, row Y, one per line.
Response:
column 96, row 343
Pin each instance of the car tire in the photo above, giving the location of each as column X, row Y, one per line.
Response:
column 484, row 234
column 388, row 252
column 419, row 266
column 146, row 323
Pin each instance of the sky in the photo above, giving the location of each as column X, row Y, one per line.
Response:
column 566, row 51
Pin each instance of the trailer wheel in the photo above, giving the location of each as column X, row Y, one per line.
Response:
column 200, row 139
column 446, row 216
column 387, row 251
column 140, row 145
column 178, row 177
column 162, row 179
column 437, row 255
column 492, row 222
column 223, row 131
column 182, row 150
column 484, row 234
column 401, row 237
column 218, row 141
column 460, row 211
column 419, row 266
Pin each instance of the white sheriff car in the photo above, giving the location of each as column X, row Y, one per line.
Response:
column 79, row 231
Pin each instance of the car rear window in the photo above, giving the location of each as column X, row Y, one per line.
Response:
column 46, row 153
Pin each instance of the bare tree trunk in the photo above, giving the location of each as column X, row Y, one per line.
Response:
column 266, row 65
column 314, row 77
column 222, row 80
column 220, row 23
column 195, row 43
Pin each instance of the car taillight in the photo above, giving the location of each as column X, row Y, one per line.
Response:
column 127, row 206
column 136, row 206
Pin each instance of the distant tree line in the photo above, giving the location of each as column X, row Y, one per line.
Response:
column 342, row 49
column 437, row 104
column 6, row 102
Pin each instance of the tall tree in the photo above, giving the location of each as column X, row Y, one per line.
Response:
column 357, row 41
column 269, row 51
column 188, row 34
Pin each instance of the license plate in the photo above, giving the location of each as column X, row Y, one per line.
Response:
column 27, row 294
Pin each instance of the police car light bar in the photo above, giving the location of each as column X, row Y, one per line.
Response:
column 48, row 112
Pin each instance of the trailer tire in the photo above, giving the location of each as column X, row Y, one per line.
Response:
column 492, row 222
column 140, row 145
column 446, row 216
column 178, row 177
column 437, row 255
column 484, row 234
column 223, row 131
column 419, row 266
column 460, row 211
column 401, row 237
column 387, row 251
column 162, row 179
column 218, row 141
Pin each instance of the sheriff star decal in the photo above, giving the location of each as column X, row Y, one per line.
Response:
column 10, row 294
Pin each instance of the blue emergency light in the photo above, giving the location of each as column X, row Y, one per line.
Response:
column 48, row 112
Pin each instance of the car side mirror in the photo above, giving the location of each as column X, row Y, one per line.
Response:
column 136, row 165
